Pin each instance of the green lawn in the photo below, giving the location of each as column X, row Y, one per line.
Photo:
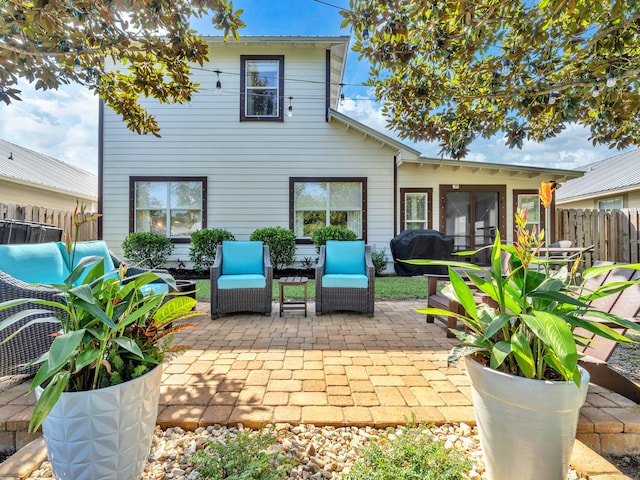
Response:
column 387, row 288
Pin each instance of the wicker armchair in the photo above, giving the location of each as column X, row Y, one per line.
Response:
column 339, row 295
column 240, row 298
column 31, row 342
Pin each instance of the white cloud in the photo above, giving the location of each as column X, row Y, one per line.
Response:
column 60, row 123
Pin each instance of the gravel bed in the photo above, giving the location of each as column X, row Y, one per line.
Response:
column 324, row 453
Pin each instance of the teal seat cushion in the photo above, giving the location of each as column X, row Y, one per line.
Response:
column 241, row 258
column 345, row 257
column 34, row 263
column 95, row 248
column 154, row 288
column 340, row 280
column 246, row 280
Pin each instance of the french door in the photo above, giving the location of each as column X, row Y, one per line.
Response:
column 471, row 215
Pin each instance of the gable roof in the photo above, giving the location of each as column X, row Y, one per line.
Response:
column 615, row 174
column 29, row 167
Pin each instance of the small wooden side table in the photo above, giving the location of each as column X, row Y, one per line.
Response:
column 293, row 305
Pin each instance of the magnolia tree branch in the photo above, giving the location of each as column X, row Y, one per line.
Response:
column 150, row 47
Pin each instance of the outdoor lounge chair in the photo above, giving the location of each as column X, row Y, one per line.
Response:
column 345, row 278
column 241, row 278
column 625, row 304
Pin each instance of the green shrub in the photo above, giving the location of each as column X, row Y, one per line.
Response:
column 244, row 457
column 379, row 259
column 281, row 242
column 410, row 455
column 202, row 251
column 150, row 250
column 332, row 232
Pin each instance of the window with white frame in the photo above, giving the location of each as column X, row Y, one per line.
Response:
column 614, row 203
column 415, row 208
column 171, row 206
column 320, row 202
column 261, row 88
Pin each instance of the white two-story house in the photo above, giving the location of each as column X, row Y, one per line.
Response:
column 263, row 144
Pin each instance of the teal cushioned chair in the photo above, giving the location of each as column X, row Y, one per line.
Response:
column 241, row 278
column 345, row 277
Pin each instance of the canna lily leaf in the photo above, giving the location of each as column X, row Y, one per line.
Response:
column 499, row 353
column 130, row 345
column 523, row 354
column 556, row 336
column 48, row 399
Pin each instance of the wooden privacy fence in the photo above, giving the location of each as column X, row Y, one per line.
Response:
column 613, row 232
column 58, row 218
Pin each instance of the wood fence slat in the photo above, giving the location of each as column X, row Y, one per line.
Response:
column 615, row 233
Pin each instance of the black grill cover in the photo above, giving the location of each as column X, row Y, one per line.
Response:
column 420, row 244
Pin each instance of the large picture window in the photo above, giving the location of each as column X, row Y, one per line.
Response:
column 171, row 206
column 261, row 88
column 320, row 202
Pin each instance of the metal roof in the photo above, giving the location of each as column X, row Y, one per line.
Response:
column 615, row 174
column 26, row 166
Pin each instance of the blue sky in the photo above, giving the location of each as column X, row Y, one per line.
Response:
column 64, row 123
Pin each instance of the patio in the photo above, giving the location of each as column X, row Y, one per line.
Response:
column 337, row 369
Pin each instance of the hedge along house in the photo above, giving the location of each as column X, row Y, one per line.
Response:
column 262, row 145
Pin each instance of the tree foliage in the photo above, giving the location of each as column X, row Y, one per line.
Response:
column 51, row 42
column 455, row 70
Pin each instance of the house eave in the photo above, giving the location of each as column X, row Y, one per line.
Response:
column 558, row 175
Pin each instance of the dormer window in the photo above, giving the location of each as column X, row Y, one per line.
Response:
column 261, row 88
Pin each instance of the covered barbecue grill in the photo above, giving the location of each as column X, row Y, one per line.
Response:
column 420, row 244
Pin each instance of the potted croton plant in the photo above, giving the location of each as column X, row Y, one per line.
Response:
column 98, row 385
column 521, row 353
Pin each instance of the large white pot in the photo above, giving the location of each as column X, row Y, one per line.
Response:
column 527, row 427
column 103, row 434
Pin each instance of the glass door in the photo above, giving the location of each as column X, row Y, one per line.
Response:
column 473, row 214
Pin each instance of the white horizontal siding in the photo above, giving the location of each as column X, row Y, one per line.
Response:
column 247, row 164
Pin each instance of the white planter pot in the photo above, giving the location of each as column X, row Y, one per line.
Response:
column 527, row 427
column 103, row 434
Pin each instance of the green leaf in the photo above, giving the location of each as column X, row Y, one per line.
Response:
column 87, row 357
column 48, row 398
column 463, row 294
column 173, row 308
column 556, row 336
column 523, row 354
column 128, row 344
column 499, row 353
column 63, row 348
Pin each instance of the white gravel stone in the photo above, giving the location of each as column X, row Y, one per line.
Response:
column 325, row 453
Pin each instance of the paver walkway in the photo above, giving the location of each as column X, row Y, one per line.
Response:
column 335, row 369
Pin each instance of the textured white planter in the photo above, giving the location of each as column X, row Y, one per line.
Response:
column 527, row 427
column 103, row 434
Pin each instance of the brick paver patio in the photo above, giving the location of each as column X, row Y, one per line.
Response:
column 335, row 369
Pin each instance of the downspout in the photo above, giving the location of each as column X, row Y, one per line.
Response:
column 327, row 86
column 395, row 195
column 100, row 165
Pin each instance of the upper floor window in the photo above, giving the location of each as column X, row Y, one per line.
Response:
column 320, row 202
column 261, row 87
column 614, row 203
column 171, row 206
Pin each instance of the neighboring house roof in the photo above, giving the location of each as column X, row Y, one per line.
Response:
column 21, row 165
column 616, row 174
